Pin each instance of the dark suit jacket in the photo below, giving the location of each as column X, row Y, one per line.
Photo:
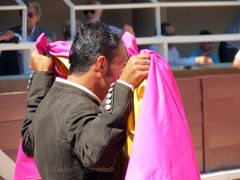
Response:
column 75, row 138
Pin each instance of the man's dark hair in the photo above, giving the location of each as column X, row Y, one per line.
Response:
column 35, row 5
column 205, row 32
column 92, row 40
column 163, row 28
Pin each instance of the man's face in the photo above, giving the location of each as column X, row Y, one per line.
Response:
column 32, row 18
column 114, row 69
column 206, row 46
column 171, row 31
column 93, row 15
column 117, row 65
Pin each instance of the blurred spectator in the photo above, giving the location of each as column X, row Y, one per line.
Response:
column 205, row 49
column 228, row 50
column 67, row 30
column 7, row 36
column 33, row 29
column 93, row 15
column 96, row 14
column 11, row 62
column 236, row 61
column 128, row 28
column 174, row 58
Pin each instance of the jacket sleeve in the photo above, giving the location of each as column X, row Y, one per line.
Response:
column 104, row 134
column 38, row 86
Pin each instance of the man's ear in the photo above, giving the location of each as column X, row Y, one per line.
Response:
column 38, row 18
column 102, row 65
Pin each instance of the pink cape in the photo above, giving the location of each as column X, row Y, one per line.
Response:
column 55, row 49
column 25, row 168
column 58, row 48
column 162, row 146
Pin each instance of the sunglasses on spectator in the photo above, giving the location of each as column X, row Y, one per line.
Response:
column 30, row 15
column 89, row 11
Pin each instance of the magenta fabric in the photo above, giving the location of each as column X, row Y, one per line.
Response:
column 25, row 168
column 57, row 49
column 130, row 44
column 162, row 146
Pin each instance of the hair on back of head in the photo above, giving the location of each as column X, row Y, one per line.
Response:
column 163, row 28
column 205, row 32
column 92, row 2
column 92, row 40
column 35, row 5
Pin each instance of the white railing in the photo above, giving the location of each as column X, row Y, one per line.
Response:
column 21, row 45
column 160, row 40
column 163, row 41
column 26, row 46
column 20, row 6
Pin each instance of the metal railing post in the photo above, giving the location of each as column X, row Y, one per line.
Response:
column 72, row 16
column 24, row 19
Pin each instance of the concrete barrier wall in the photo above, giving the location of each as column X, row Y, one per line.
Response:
column 12, row 110
column 190, row 90
column 221, row 107
column 211, row 104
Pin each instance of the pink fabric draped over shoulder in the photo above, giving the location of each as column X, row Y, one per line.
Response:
column 162, row 146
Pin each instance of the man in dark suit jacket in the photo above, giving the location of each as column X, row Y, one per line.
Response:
column 33, row 29
column 73, row 134
column 11, row 62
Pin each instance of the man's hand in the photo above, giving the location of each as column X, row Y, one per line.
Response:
column 207, row 53
column 136, row 69
column 204, row 60
column 128, row 28
column 236, row 63
column 40, row 63
column 7, row 35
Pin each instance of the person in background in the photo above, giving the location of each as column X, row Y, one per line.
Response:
column 67, row 30
column 79, row 129
column 236, row 61
column 228, row 49
column 174, row 58
column 33, row 29
column 6, row 36
column 11, row 62
column 96, row 15
column 205, row 49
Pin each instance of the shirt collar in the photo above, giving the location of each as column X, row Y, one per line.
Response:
column 78, row 86
column 30, row 36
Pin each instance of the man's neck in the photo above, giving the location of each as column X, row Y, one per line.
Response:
column 30, row 30
column 80, row 86
column 85, row 80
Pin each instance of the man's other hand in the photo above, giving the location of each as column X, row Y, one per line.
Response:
column 136, row 69
column 40, row 63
